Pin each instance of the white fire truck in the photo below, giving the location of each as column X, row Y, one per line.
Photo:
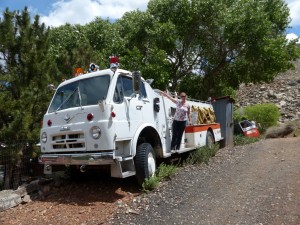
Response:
column 113, row 117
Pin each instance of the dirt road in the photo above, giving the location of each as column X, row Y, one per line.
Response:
column 254, row 184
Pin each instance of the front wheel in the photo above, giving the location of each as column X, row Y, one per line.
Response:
column 145, row 164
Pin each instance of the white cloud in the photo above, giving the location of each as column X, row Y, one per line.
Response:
column 294, row 6
column 292, row 36
column 84, row 11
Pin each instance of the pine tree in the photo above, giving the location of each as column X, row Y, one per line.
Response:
column 24, row 75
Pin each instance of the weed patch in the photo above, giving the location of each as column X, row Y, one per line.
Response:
column 202, row 154
column 164, row 171
column 150, row 184
column 243, row 140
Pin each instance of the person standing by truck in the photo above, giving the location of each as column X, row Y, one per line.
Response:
column 181, row 118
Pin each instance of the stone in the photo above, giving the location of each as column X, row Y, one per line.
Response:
column 292, row 83
column 9, row 199
column 263, row 88
column 282, row 103
column 26, row 199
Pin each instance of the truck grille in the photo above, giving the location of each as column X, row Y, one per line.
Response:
column 74, row 141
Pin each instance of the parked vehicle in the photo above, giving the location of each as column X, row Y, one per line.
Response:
column 114, row 117
column 247, row 128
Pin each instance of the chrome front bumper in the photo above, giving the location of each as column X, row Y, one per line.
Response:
column 102, row 158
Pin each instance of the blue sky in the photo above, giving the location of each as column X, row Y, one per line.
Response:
column 58, row 12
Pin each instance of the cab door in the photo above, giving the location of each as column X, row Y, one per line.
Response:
column 128, row 108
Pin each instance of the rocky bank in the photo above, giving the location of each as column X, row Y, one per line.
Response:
column 284, row 91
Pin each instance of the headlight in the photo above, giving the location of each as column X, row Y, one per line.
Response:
column 44, row 137
column 95, row 132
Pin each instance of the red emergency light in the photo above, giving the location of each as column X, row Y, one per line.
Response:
column 113, row 59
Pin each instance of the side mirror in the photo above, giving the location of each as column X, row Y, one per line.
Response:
column 136, row 81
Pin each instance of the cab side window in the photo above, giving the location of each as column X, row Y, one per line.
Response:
column 127, row 85
column 119, row 93
column 143, row 91
column 124, row 89
column 128, row 88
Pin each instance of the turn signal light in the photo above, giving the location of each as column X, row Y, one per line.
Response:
column 90, row 116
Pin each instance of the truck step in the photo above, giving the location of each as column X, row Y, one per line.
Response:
column 123, row 168
column 128, row 174
column 121, row 159
column 180, row 151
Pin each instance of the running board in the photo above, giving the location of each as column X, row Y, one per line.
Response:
column 183, row 150
column 180, row 151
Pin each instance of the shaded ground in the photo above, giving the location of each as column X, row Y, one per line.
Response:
column 253, row 184
column 86, row 201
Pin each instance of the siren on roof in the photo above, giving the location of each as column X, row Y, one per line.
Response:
column 114, row 62
column 93, row 67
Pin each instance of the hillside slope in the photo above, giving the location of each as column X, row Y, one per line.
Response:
column 284, row 91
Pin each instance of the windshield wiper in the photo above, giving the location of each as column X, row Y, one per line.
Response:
column 68, row 98
column 79, row 95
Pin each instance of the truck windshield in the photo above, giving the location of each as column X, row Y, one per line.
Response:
column 80, row 93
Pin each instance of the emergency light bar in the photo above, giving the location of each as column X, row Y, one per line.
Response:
column 114, row 62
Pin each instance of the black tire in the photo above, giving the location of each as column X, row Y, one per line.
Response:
column 145, row 163
column 210, row 140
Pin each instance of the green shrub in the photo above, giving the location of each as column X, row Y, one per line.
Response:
column 243, row 140
column 166, row 171
column 202, row 154
column 239, row 114
column 228, row 91
column 163, row 171
column 265, row 115
column 150, row 184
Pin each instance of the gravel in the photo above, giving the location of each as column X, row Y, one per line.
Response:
column 252, row 184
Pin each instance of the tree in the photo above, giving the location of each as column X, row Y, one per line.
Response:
column 140, row 51
column 105, row 40
column 219, row 44
column 25, row 72
column 74, row 46
column 69, row 48
column 25, row 69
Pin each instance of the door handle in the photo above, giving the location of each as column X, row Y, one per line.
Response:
column 139, row 107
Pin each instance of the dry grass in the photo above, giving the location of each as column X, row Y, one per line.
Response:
column 289, row 129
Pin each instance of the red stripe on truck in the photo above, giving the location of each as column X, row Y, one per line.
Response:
column 202, row 127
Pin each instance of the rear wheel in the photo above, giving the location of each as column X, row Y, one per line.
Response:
column 145, row 164
column 209, row 139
